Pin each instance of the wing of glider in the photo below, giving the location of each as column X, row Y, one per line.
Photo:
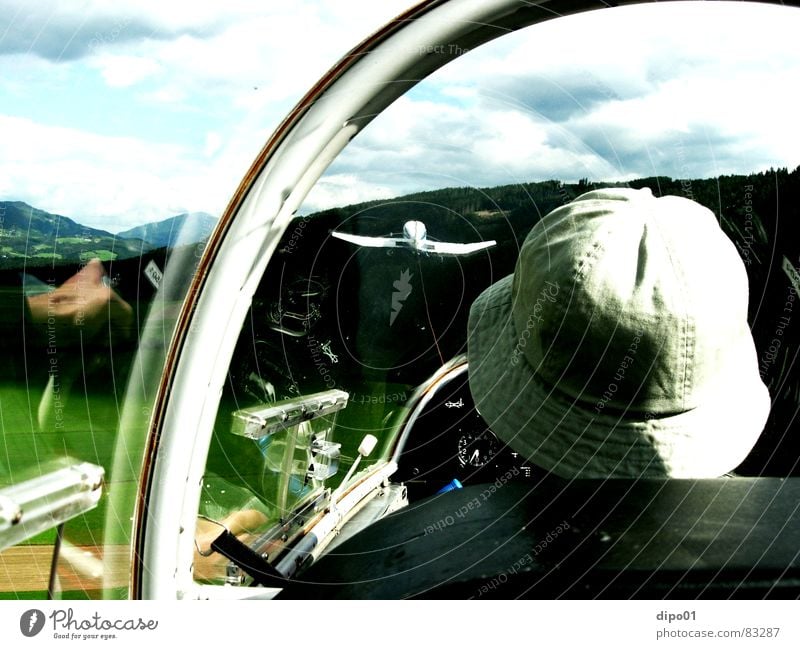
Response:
column 415, row 237
column 445, row 248
column 370, row 242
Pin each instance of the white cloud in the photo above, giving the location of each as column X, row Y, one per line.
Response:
column 254, row 59
column 166, row 95
column 261, row 57
column 213, row 144
column 107, row 182
column 610, row 96
column 343, row 189
column 123, row 71
column 422, row 144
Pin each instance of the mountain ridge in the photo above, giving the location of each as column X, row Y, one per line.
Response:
column 185, row 228
column 32, row 235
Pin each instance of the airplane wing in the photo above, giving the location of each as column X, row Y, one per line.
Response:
column 445, row 248
column 422, row 245
column 370, row 242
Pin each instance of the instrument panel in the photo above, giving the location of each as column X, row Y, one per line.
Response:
column 449, row 440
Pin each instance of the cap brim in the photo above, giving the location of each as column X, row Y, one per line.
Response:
column 573, row 440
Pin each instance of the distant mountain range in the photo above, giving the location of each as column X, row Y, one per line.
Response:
column 40, row 237
column 176, row 230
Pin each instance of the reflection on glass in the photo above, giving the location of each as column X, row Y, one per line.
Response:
column 75, row 302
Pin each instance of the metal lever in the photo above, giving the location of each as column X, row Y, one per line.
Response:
column 47, row 501
column 248, row 560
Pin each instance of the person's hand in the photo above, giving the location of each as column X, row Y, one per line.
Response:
column 241, row 524
column 84, row 303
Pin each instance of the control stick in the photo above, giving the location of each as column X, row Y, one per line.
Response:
column 364, row 449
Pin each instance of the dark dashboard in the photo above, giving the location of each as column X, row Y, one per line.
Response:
column 578, row 539
column 448, row 444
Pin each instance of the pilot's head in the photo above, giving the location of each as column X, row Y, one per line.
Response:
column 620, row 345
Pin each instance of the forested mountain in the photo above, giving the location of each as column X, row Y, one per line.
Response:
column 452, row 213
column 760, row 212
column 176, row 230
column 33, row 237
column 750, row 216
column 30, row 236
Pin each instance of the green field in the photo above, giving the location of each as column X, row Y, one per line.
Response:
column 35, row 442
column 102, row 255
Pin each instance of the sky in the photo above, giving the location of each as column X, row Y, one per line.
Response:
column 121, row 113
column 682, row 90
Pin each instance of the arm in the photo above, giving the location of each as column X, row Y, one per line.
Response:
column 84, row 304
